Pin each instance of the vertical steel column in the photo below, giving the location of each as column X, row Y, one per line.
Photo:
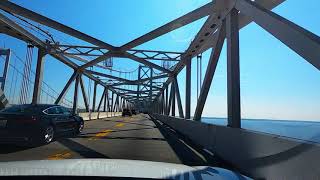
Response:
column 170, row 101
column 120, row 104
column 173, row 100
column 233, row 71
column 162, row 103
column 101, row 100
column 7, row 53
column 188, row 88
column 151, row 84
column 116, row 105
column 166, row 103
column 94, row 96
column 138, row 86
column 158, row 104
column 38, row 77
column 75, row 96
column 108, row 103
column 105, row 100
column 177, row 91
column 84, row 94
column 112, row 99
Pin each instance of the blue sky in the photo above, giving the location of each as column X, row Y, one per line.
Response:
column 276, row 83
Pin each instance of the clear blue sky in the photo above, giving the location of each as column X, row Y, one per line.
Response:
column 276, row 83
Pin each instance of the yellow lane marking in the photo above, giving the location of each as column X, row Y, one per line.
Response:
column 119, row 124
column 105, row 132
column 101, row 134
column 67, row 154
column 62, row 155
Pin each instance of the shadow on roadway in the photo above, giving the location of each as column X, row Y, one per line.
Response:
column 186, row 155
column 81, row 149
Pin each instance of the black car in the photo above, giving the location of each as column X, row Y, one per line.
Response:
column 37, row 123
column 126, row 112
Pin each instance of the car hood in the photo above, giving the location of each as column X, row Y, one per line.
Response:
column 114, row 168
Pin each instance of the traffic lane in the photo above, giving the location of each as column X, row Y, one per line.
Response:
column 135, row 138
column 89, row 144
column 10, row 152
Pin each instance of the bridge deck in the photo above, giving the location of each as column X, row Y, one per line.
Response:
column 135, row 138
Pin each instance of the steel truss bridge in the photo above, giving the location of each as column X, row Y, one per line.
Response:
column 224, row 20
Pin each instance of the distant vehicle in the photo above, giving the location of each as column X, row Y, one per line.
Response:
column 126, row 112
column 37, row 124
column 134, row 111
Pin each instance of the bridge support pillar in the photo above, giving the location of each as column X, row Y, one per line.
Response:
column 101, row 100
column 112, row 102
column 38, row 77
column 163, row 103
column 84, row 94
column 75, row 96
column 177, row 91
column 105, row 101
column 166, row 101
column 151, row 84
column 188, row 88
column 94, row 96
column 173, row 100
column 233, row 70
column 108, row 101
column 5, row 52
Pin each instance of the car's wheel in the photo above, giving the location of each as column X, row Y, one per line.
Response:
column 47, row 135
column 79, row 129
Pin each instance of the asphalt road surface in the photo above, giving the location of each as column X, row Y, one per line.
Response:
column 135, row 138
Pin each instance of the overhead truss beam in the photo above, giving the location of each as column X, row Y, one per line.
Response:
column 16, row 9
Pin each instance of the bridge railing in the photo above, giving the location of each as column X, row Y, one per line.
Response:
column 98, row 115
column 256, row 154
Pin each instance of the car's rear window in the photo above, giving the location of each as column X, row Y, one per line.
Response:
column 21, row 109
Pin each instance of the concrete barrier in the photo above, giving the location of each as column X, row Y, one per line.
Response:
column 98, row 115
column 256, row 154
